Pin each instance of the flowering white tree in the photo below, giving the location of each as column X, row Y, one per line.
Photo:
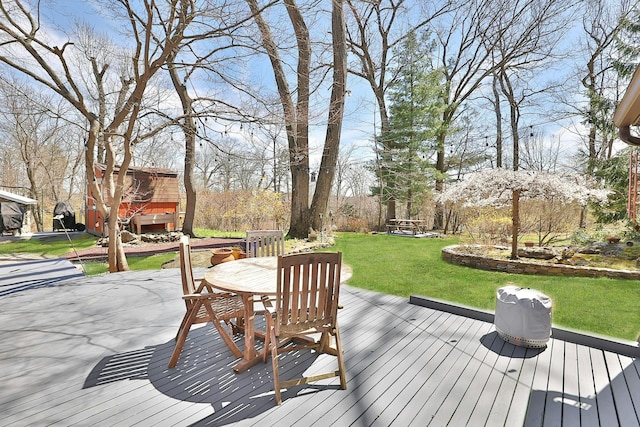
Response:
column 496, row 187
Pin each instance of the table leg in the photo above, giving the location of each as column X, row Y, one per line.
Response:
column 250, row 356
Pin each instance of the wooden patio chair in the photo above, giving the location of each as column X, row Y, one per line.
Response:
column 261, row 243
column 264, row 243
column 203, row 307
column 306, row 304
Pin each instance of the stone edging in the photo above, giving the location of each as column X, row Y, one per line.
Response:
column 450, row 255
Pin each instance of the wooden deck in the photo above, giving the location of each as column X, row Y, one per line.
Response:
column 94, row 351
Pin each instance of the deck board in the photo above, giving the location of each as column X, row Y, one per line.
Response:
column 429, row 359
column 587, row 389
column 604, row 395
column 553, row 407
column 454, row 384
column 497, row 368
column 441, row 370
column 96, row 353
column 380, row 368
column 407, row 381
column 633, row 382
column 387, row 390
column 537, row 395
column 517, row 410
column 510, row 366
column 472, row 381
column 620, row 389
column 571, row 389
column 478, row 375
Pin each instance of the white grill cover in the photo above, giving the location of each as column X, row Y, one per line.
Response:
column 523, row 316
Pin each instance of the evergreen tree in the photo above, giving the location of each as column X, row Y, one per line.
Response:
column 614, row 172
column 406, row 150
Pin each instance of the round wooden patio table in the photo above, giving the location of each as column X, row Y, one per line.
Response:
column 249, row 277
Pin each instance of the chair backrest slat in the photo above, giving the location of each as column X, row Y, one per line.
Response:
column 261, row 243
column 186, row 270
column 295, row 294
column 308, row 289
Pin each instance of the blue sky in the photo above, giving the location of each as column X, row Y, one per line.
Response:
column 360, row 114
column 360, row 108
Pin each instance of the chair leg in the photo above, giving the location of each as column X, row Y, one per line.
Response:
column 227, row 339
column 267, row 337
column 324, row 344
column 223, row 333
column 185, row 326
column 274, row 362
column 341, row 366
column 238, row 327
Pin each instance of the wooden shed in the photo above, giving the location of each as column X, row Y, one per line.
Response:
column 151, row 201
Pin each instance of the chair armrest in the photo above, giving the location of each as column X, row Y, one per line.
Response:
column 268, row 305
column 206, row 296
column 201, row 285
column 210, row 289
column 204, row 285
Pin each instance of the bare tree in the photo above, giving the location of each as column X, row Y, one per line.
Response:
column 343, row 167
column 467, row 53
column 358, row 180
column 528, row 34
column 35, row 126
column 269, row 140
column 188, row 125
column 296, row 112
column 198, row 53
column 155, row 32
column 206, row 164
column 497, row 108
column 540, row 153
column 229, row 164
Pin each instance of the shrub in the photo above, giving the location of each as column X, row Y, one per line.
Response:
column 241, row 210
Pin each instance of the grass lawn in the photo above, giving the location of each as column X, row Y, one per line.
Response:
column 60, row 245
column 54, row 246
column 153, row 262
column 404, row 266
column 206, row 232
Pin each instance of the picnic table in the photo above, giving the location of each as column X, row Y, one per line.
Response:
column 413, row 226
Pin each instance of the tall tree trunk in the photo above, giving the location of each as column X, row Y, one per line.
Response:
column 295, row 116
column 498, row 112
column 514, row 116
column 438, row 220
column 189, row 161
column 33, row 185
column 441, row 137
column 336, row 113
column 189, row 130
column 299, row 150
column 515, row 223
